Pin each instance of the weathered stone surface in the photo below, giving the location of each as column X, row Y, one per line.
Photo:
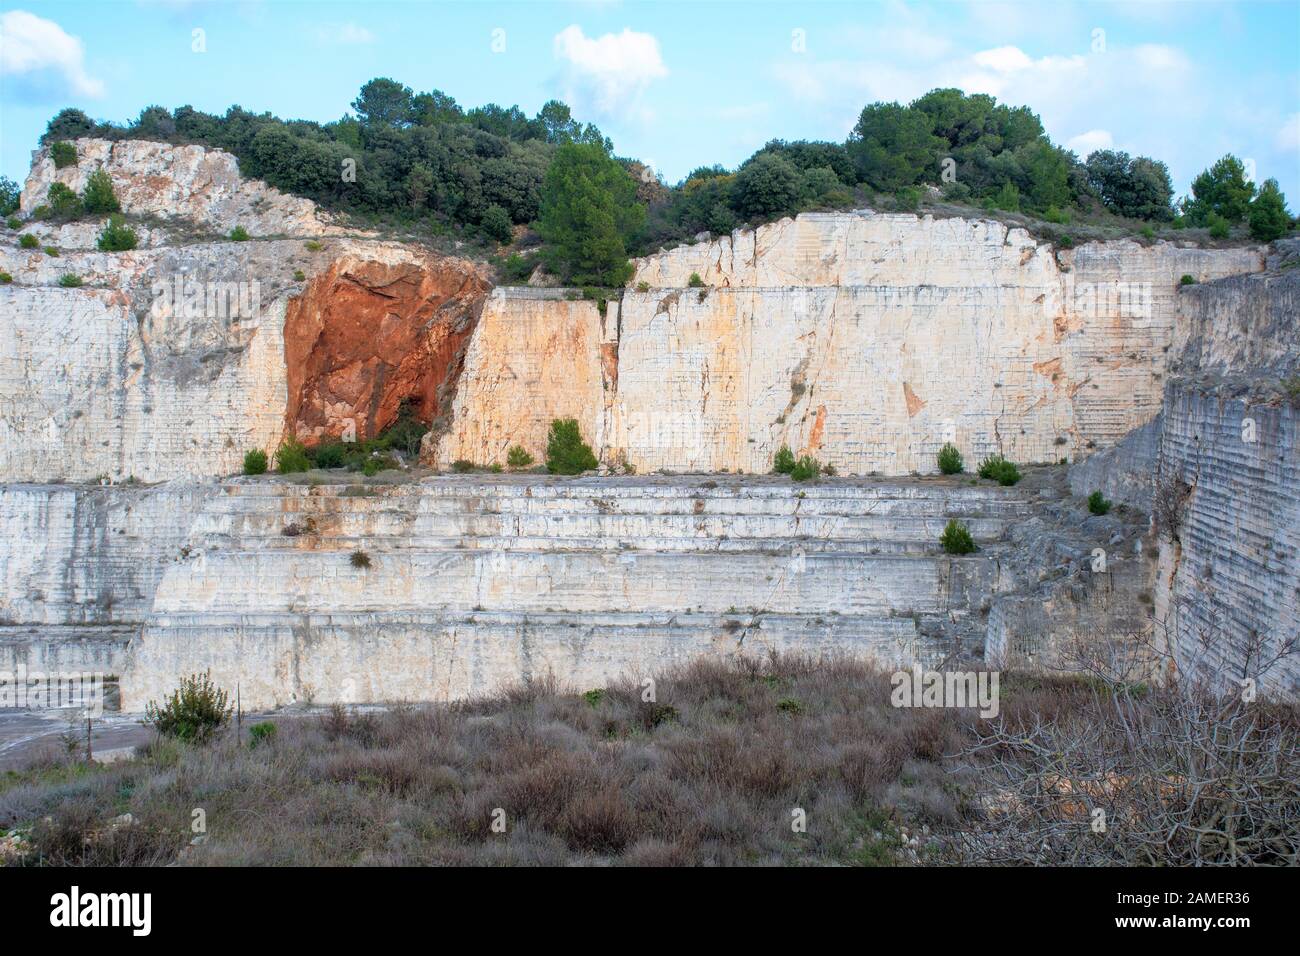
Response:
column 867, row 340
column 535, row 356
column 188, row 182
column 366, row 336
column 124, row 377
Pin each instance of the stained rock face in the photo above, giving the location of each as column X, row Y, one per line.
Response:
column 866, row 340
column 366, row 335
column 188, row 182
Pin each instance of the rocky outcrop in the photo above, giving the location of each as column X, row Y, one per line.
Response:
column 367, row 335
column 866, row 340
column 193, row 183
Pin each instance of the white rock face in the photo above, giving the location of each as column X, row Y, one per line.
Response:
column 188, row 182
column 866, row 340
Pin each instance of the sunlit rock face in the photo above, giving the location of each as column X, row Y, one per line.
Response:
column 866, row 340
column 191, row 183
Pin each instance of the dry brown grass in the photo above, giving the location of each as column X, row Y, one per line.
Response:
column 708, row 774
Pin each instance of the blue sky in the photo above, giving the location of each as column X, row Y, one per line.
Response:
column 687, row 84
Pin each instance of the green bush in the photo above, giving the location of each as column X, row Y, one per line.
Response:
column 1187, row 280
column 518, row 457
column 641, row 286
column 329, row 455
column 496, row 224
column 117, row 236
column 1218, row 226
column 566, row 452
column 377, row 463
column 359, row 559
column 5, row 278
column 462, row 467
column 255, row 462
column 587, row 215
column 806, row 469
column 28, row 241
column 313, row 246
column 1000, row 470
column 299, row 275
column 14, row 223
column 1065, row 242
column 696, row 282
column 956, row 538
column 239, row 234
column 52, row 251
column 261, row 733
column 194, row 712
column 1269, row 218
column 70, row 280
column 98, row 197
column 64, row 155
column 950, row 460
column 784, row 461
column 64, row 203
column 291, row 457
column 1098, row 504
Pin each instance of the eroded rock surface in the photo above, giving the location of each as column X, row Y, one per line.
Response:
column 367, row 335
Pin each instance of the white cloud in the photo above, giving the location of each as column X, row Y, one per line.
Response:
column 345, row 34
column 45, row 62
column 1090, row 142
column 1288, row 136
column 1003, row 59
column 609, row 73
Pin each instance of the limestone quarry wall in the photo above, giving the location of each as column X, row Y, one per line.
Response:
column 867, row 340
column 171, row 361
column 536, row 355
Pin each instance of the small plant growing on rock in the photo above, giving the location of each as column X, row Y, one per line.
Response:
column 1097, row 503
column 566, row 452
column 239, row 234
column 117, row 236
column 789, row 705
column 806, row 468
column 462, row 467
column 299, row 275
column 313, row 246
column 695, row 281
column 64, row 155
column 64, row 203
column 255, row 462
column 956, row 538
column 194, row 712
column 329, row 455
column 518, row 457
column 1187, row 280
column 5, row 278
column 950, row 460
column 594, row 697
column 98, row 197
column 28, row 241
column 291, row 457
column 640, row 286
column 784, row 461
column 70, row 280
column 52, row 251
column 998, row 469
column 14, row 223
column 359, row 559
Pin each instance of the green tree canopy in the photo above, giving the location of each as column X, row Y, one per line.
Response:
column 384, row 102
column 1223, row 190
column 768, row 185
column 893, row 146
column 1137, row 187
column 589, row 213
column 1269, row 218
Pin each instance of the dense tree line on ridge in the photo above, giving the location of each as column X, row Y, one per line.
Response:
column 422, row 158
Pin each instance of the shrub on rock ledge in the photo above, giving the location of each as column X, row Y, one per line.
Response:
column 255, row 462
column 566, row 452
column 291, row 457
column 518, row 457
column 1097, row 503
column 117, row 236
column 784, row 461
column 950, row 460
column 806, row 469
column 998, row 469
column 956, row 539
